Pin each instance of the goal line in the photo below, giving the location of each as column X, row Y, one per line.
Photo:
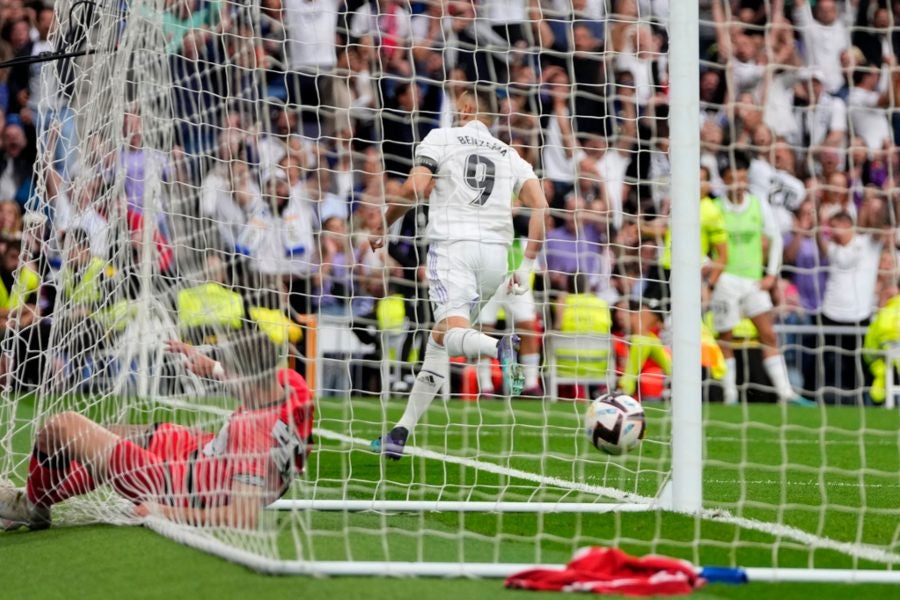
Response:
column 624, row 502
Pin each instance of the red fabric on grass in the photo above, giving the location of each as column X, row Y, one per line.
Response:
column 611, row 571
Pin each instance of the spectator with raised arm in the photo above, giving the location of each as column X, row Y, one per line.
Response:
column 825, row 34
column 854, row 254
column 311, row 28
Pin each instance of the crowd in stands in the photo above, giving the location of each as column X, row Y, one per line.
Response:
column 293, row 126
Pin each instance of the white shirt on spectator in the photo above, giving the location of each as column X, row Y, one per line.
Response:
column 641, row 70
column 612, row 168
column 557, row 166
column 869, row 121
column 660, row 178
column 279, row 245
column 824, row 43
column 827, row 116
column 66, row 217
column 364, row 22
column 656, row 10
column 271, row 150
column 333, row 205
column 778, row 114
column 40, row 82
column 747, row 75
column 594, row 10
column 8, row 186
column 217, row 202
column 852, row 275
column 310, row 27
column 502, row 12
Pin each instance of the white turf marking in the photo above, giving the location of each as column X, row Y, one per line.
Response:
column 861, row 551
column 488, row 431
column 856, row 550
column 809, row 483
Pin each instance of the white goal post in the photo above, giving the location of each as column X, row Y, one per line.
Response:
column 207, row 168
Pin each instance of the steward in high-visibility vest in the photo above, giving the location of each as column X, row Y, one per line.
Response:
column 26, row 283
column 203, row 308
column 583, row 314
column 18, row 285
column 210, row 304
column 884, row 331
column 646, row 349
column 84, row 287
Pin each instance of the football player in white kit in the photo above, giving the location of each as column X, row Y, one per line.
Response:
column 469, row 178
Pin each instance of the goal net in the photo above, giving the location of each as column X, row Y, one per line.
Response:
column 210, row 172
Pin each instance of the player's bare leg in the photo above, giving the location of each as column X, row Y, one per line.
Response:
column 729, row 381
column 459, row 339
column 530, row 357
column 773, row 360
column 62, row 438
column 72, row 455
column 452, row 336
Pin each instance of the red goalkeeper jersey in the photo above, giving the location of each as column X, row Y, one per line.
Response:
column 265, row 447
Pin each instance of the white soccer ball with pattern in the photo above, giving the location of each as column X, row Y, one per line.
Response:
column 615, row 423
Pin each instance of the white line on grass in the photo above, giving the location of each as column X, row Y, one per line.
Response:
column 814, row 542
column 488, row 431
column 856, row 550
column 810, row 483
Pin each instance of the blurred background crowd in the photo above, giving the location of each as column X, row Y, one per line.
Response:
column 295, row 122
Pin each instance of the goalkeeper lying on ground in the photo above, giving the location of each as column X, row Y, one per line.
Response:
column 171, row 470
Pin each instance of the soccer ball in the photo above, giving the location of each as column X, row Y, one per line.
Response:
column 615, row 423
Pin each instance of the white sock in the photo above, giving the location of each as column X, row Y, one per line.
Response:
column 432, row 375
column 729, row 382
column 776, row 368
column 531, row 364
column 470, row 343
column 485, row 377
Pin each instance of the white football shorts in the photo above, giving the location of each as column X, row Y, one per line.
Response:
column 463, row 276
column 735, row 298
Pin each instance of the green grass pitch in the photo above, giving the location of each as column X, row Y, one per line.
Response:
column 763, row 463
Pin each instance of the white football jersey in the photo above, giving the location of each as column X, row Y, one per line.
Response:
column 476, row 177
column 784, row 192
column 779, row 187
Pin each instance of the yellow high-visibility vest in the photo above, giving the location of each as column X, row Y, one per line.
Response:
column 210, row 304
column 26, row 282
column 276, row 325
column 87, row 289
column 583, row 314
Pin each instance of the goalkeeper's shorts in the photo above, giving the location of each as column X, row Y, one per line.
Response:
column 178, row 446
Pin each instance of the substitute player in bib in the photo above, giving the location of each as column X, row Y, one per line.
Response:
column 469, row 178
column 179, row 473
column 743, row 289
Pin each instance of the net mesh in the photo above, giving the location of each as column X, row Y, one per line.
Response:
column 208, row 169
